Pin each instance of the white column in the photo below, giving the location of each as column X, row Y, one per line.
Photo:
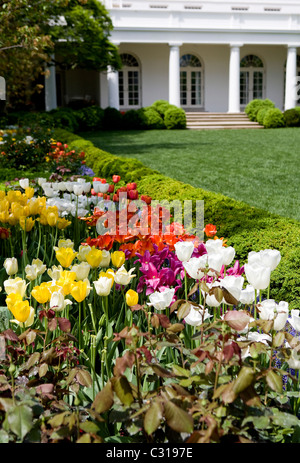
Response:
column 290, row 78
column 50, row 89
column 113, row 88
column 174, row 74
column 234, row 79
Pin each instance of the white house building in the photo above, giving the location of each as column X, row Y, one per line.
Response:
column 201, row 55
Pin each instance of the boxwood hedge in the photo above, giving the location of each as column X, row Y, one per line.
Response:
column 245, row 227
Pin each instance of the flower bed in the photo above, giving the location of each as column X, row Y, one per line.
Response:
column 118, row 325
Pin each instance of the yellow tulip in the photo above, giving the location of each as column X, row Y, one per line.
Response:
column 52, row 219
column 21, row 311
column 41, row 294
column 65, row 256
column 79, row 290
column 4, row 205
column 118, row 258
column 66, row 281
column 29, row 192
column 17, row 210
column 108, row 274
column 34, row 207
column 132, row 297
column 4, row 216
column 94, row 257
column 26, row 223
column 63, row 223
column 12, row 220
column 12, row 299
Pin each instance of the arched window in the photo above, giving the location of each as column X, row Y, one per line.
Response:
column 129, row 82
column 251, row 79
column 191, row 81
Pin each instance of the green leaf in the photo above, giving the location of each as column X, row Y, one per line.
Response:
column 274, row 381
column 104, row 399
column 177, row 418
column 153, row 417
column 183, row 310
column 123, row 390
column 20, row 420
column 244, row 379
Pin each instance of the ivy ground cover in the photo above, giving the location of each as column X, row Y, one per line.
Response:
column 118, row 325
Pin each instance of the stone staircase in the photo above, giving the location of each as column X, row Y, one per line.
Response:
column 205, row 120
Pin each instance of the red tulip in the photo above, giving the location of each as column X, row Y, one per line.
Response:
column 116, row 178
column 131, row 186
column 133, row 194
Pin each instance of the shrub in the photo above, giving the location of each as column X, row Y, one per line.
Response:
column 291, row 118
column 153, row 119
column 64, row 118
column 134, row 119
column 254, row 106
column 90, row 118
column 112, row 119
column 273, row 119
column 175, row 118
column 161, row 106
column 261, row 114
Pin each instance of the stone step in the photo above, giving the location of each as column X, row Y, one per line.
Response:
column 203, row 120
column 220, row 127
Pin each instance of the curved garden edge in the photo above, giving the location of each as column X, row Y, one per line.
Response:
column 246, row 228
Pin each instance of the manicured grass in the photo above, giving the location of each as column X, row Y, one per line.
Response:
column 259, row 167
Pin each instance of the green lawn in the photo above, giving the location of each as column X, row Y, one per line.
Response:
column 259, row 167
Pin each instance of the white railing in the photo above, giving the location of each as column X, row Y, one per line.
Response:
column 221, row 6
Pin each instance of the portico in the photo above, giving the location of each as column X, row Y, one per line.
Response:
column 214, row 56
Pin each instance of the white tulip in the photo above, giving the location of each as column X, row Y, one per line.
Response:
column 55, row 272
column 41, row 268
column 184, row 250
column 24, row 183
column 195, row 266
column 103, row 285
column 247, row 295
column 78, row 189
column 295, row 319
column 233, row 285
column 82, row 270
column 270, row 310
column 268, row 257
column 15, row 285
column 41, row 180
column 83, row 250
column 161, row 300
column 258, row 275
column 31, row 272
column 122, row 277
column 197, row 317
column 11, row 265
column 105, row 259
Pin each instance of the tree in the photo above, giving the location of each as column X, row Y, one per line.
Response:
column 75, row 32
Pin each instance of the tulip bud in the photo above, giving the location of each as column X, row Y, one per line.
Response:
column 11, row 265
column 132, row 297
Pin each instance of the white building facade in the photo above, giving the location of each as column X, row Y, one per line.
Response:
column 210, row 55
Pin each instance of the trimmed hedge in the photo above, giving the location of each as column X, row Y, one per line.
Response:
column 246, row 228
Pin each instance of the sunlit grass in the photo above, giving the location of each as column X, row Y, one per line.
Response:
column 259, row 167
